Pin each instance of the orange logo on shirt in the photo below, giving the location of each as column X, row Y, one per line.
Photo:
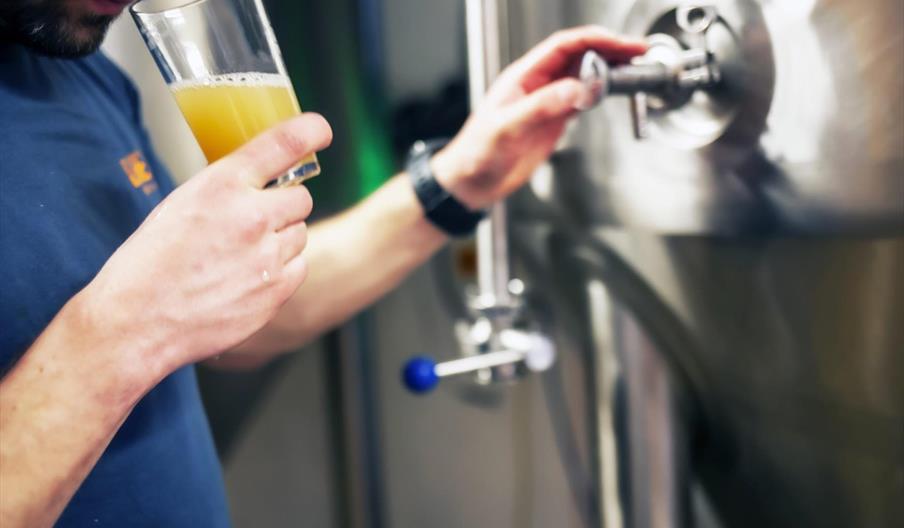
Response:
column 138, row 172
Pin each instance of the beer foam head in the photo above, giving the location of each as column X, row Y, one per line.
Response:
column 235, row 79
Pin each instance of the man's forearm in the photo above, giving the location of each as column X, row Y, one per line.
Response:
column 59, row 408
column 354, row 259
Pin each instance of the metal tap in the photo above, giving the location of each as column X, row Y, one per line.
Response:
column 498, row 344
column 663, row 78
column 508, row 348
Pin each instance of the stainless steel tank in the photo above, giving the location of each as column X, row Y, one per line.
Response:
column 761, row 230
column 803, row 135
column 726, row 295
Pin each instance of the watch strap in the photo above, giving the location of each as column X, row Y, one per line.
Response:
column 440, row 207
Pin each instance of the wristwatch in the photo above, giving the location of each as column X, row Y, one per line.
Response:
column 440, row 207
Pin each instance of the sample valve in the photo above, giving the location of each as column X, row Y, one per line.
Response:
column 495, row 346
column 534, row 350
column 662, row 79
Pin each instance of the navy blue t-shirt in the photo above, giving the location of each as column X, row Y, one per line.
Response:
column 77, row 177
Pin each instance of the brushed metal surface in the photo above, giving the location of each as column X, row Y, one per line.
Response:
column 801, row 373
column 790, row 293
column 789, row 349
column 805, row 134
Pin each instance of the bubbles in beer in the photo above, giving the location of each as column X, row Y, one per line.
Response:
column 245, row 79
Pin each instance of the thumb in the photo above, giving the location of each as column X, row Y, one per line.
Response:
column 277, row 149
column 557, row 100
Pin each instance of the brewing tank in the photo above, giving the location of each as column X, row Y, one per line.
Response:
column 762, row 223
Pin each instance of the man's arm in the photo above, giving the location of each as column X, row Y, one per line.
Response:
column 360, row 255
column 59, row 408
column 171, row 295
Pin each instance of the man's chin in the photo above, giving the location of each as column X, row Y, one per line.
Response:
column 71, row 45
column 87, row 37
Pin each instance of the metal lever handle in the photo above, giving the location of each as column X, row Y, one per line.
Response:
column 689, row 69
column 667, row 68
column 422, row 374
column 639, row 115
column 686, row 70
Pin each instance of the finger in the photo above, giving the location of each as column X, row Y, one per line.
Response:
column 552, row 57
column 292, row 241
column 286, row 205
column 294, row 273
column 557, row 100
column 275, row 151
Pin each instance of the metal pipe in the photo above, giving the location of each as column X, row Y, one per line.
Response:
column 642, row 478
column 484, row 64
column 607, row 367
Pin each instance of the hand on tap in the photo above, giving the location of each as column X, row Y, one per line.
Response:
column 522, row 117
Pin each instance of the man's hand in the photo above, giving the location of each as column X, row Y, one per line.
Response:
column 522, row 117
column 214, row 261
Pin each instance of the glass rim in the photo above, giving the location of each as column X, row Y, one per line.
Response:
column 138, row 8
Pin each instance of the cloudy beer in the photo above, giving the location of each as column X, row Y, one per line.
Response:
column 226, row 111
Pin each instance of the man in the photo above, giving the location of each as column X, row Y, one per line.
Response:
column 115, row 284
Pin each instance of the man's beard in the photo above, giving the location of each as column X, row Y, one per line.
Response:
column 47, row 27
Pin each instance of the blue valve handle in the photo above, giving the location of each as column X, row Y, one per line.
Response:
column 419, row 375
column 422, row 374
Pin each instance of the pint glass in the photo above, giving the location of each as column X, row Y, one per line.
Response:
column 223, row 65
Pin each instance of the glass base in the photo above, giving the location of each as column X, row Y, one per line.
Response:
column 299, row 174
